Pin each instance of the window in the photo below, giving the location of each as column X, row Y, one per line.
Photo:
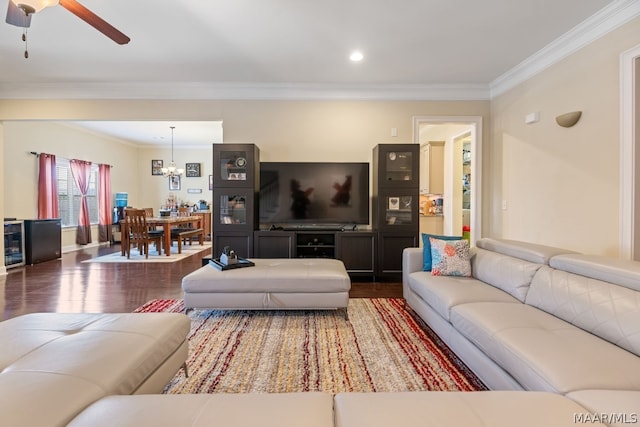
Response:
column 69, row 194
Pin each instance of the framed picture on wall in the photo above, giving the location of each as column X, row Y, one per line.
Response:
column 174, row 183
column 156, row 167
column 193, row 170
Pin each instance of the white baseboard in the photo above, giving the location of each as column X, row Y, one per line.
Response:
column 73, row 248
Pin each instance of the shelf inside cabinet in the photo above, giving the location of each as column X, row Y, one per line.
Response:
column 316, row 245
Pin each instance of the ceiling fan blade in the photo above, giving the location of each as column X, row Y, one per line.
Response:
column 95, row 21
column 17, row 16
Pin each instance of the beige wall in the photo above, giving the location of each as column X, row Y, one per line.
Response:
column 284, row 130
column 561, row 185
column 20, row 168
column 153, row 190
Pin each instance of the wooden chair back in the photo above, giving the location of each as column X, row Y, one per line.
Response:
column 138, row 231
column 137, row 225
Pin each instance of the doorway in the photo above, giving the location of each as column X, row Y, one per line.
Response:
column 629, row 154
column 461, row 200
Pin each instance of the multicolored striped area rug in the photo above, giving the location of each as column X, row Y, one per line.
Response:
column 382, row 347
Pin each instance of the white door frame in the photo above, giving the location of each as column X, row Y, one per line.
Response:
column 627, row 152
column 476, row 161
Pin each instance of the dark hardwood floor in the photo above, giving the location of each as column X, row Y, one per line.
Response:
column 69, row 285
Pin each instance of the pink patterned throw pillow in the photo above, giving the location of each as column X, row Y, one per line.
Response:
column 450, row 257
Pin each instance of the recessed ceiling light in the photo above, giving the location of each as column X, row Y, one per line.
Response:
column 356, row 56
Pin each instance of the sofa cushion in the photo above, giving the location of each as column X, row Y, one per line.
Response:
column 443, row 293
column 125, row 348
column 454, row 409
column 602, row 308
column 246, row 409
column 543, row 352
column 539, row 254
column 426, row 248
column 59, row 362
column 512, row 275
column 450, row 258
column 617, row 271
column 44, row 398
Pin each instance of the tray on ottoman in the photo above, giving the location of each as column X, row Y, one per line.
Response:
column 242, row 262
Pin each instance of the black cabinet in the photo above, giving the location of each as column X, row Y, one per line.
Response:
column 234, row 209
column 396, row 165
column 395, row 203
column 295, row 244
column 236, row 165
column 236, row 175
column 43, row 240
column 274, row 244
column 390, row 250
column 397, row 210
column 240, row 242
column 357, row 250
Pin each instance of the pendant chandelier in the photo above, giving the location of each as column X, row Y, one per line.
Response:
column 172, row 171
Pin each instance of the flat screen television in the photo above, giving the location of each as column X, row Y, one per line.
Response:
column 309, row 193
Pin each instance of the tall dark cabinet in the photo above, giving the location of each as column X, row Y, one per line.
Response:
column 395, row 200
column 236, row 176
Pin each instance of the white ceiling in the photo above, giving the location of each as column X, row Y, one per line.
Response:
column 186, row 134
column 182, row 44
column 194, row 49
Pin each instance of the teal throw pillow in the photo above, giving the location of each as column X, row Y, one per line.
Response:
column 426, row 248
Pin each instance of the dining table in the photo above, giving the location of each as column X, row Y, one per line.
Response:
column 166, row 222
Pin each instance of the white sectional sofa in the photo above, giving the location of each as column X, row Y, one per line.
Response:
column 554, row 334
column 539, row 318
column 54, row 365
column 406, row 409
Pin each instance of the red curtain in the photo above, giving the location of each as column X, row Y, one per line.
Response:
column 47, row 187
column 81, row 170
column 104, row 203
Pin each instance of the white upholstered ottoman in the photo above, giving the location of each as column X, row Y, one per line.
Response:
column 272, row 284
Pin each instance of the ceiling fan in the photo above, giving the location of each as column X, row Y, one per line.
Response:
column 20, row 12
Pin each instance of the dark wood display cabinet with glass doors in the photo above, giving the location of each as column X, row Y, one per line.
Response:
column 236, row 176
column 395, row 202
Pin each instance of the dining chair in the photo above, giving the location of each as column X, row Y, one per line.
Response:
column 177, row 233
column 153, row 230
column 138, row 233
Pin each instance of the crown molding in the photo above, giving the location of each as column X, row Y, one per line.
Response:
column 609, row 18
column 243, row 91
column 614, row 15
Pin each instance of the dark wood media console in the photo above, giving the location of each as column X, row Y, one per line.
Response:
column 356, row 249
